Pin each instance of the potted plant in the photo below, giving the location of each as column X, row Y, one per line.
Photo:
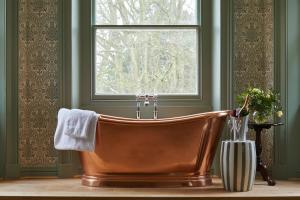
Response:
column 262, row 103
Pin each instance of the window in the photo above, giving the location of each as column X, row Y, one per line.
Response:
column 146, row 46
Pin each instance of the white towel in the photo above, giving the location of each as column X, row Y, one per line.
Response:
column 81, row 123
column 76, row 130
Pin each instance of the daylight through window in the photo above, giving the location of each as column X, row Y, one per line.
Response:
column 146, row 46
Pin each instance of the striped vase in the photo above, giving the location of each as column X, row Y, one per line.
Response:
column 238, row 165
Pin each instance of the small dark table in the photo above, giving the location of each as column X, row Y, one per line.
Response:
column 259, row 164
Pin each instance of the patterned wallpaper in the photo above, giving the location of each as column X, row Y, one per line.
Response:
column 39, row 70
column 253, row 52
column 38, row 81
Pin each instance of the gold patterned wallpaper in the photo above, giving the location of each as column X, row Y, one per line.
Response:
column 39, row 70
column 38, row 81
column 253, row 60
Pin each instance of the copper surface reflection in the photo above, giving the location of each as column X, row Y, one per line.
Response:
column 170, row 152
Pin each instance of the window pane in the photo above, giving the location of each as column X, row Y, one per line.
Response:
column 145, row 12
column 130, row 61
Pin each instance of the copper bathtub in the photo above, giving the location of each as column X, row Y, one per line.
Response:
column 170, row 152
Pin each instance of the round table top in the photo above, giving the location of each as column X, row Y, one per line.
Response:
column 266, row 125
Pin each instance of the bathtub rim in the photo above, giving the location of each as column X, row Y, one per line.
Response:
column 185, row 118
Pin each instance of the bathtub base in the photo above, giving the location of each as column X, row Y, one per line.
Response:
column 142, row 180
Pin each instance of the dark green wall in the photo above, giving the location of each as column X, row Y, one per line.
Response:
column 287, row 76
column 293, row 86
column 2, row 86
column 9, row 89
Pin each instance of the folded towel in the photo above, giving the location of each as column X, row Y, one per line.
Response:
column 81, row 123
column 73, row 132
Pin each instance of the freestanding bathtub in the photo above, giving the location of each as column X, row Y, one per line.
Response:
column 170, row 152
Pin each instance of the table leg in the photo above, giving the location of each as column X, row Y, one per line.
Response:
column 264, row 172
column 260, row 166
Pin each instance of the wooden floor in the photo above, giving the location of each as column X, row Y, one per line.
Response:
column 72, row 189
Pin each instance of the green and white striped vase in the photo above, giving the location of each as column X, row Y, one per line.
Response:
column 238, row 165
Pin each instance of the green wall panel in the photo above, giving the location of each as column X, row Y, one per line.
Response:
column 293, row 86
column 280, row 74
column 2, row 85
column 287, row 74
column 11, row 165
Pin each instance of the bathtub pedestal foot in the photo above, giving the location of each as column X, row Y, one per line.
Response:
column 154, row 181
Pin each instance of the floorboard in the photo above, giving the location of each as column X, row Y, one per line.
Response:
column 59, row 189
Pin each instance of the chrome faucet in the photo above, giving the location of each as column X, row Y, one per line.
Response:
column 146, row 99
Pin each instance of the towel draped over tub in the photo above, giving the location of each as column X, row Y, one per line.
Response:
column 76, row 130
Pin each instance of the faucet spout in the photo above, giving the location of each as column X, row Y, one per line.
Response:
column 146, row 99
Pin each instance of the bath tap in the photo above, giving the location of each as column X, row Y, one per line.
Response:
column 146, row 101
column 146, row 98
column 155, row 108
column 138, row 111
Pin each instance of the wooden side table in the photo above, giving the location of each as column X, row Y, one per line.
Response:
column 262, row 168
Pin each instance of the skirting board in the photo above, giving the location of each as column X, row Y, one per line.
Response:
column 12, row 171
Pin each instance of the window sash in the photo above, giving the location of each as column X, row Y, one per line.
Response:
column 198, row 17
column 167, row 97
column 139, row 27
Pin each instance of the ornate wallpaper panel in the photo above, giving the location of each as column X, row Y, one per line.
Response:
column 38, row 81
column 253, row 52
